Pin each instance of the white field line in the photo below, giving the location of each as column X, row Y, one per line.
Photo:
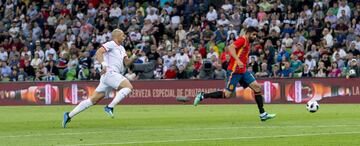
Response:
column 174, row 129
column 216, row 139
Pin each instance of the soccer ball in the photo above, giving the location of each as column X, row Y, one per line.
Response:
column 312, row 106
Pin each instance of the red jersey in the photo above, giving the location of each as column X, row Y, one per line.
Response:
column 242, row 50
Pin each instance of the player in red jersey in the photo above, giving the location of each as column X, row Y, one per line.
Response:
column 236, row 73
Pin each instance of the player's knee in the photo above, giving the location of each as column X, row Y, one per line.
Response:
column 126, row 84
column 257, row 89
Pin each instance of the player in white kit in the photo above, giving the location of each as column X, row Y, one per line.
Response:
column 113, row 59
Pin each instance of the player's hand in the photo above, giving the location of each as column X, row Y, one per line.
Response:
column 103, row 71
column 239, row 63
column 136, row 52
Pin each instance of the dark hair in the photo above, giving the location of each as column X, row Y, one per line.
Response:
column 251, row 29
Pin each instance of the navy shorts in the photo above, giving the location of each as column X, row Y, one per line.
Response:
column 232, row 79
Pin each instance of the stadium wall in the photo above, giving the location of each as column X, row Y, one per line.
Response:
column 327, row 90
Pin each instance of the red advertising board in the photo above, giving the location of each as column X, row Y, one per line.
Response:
column 327, row 90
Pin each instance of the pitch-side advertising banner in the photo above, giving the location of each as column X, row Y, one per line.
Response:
column 326, row 90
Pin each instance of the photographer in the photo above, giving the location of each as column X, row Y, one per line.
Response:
column 207, row 70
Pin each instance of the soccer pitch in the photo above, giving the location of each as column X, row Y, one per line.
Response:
column 333, row 124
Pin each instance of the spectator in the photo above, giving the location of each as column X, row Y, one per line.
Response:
column 94, row 75
column 287, row 71
column 264, row 72
column 29, row 70
column 3, row 54
column 306, row 72
column 5, row 70
column 207, row 70
column 159, row 69
column 212, row 53
column 219, row 73
column 170, row 73
column 321, row 70
column 181, row 73
column 353, row 70
column 335, row 71
column 14, row 76
column 182, row 59
column 52, row 68
column 251, row 21
column 295, row 64
column 310, row 62
column 328, row 38
column 254, row 65
column 22, row 75
column 35, row 61
column 84, row 72
column 153, row 54
column 212, row 15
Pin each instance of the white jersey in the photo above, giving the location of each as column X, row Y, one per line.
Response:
column 114, row 57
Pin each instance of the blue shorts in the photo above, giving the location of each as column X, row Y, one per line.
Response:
column 232, row 79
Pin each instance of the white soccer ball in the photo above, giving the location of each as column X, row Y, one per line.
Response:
column 312, row 106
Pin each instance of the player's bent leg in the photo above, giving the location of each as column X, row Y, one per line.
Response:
column 96, row 97
column 217, row 95
column 124, row 89
column 255, row 86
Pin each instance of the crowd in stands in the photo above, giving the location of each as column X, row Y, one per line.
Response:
column 47, row 40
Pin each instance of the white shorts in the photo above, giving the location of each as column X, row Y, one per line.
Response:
column 109, row 80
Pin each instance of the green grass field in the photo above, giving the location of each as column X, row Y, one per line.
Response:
column 182, row 125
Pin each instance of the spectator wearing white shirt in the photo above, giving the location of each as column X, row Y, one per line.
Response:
column 14, row 30
column 319, row 3
column 223, row 21
column 135, row 36
column 152, row 16
column 328, row 38
column 310, row 62
column 174, row 21
column 236, row 20
column 25, row 51
column 343, row 6
column 151, row 8
column 227, row 6
column 40, row 52
column 287, row 41
column 357, row 43
column 62, row 26
column 36, row 61
column 3, row 54
column 181, row 33
column 251, row 21
column 231, row 31
column 211, row 15
column 212, row 54
column 49, row 50
column 182, row 59
column 51, row 20
column 169, row 60
column 115, row 11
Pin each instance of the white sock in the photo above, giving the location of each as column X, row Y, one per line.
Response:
column 81, row 107
column 121, row 94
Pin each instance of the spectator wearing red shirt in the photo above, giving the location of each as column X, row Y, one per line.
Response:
column 298, row 52
column 224, row 55
column 202, row 50
column 170, row 73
